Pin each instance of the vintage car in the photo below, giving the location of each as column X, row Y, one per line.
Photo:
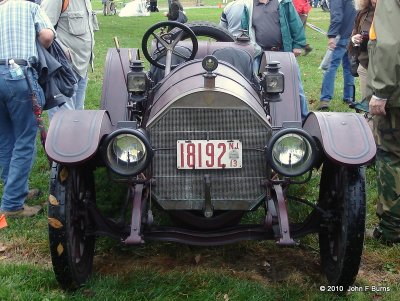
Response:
column 204, row 139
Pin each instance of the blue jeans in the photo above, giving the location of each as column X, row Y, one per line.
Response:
column 77, row 101
column 339, row 55
column 303, row 99
column 18, row 130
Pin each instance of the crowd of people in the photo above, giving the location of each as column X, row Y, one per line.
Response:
column 358, row 29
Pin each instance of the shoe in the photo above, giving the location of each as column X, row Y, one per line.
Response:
column 33, row 194
column 350, row 102
column 307, row 49
column 323, row 105
column 27, row 211
column 377, row 234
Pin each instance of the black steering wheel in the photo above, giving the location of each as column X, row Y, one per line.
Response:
column 166, row 44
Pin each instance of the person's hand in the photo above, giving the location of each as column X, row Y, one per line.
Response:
column 332, row 43
column 297, row 51
column 377, row 106
column 356, row 39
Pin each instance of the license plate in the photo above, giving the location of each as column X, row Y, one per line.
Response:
column 209, row 154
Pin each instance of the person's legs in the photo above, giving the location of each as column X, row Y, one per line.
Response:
column 348, row 79
column 21, row 118
column 362, row 76
column 6, row 132
column 387, row 136
column 328, row 81
column 256, row 64
column 79, row 96
column 303, row 99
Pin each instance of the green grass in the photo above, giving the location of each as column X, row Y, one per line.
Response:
column 167, row 271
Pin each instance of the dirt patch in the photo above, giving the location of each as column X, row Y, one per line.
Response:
column 263, row 262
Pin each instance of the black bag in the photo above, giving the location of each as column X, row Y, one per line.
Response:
column 181, row 17
column 354, row 62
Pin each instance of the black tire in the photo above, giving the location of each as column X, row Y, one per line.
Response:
column 207, row 29
column 71, row 250
column 341, row 237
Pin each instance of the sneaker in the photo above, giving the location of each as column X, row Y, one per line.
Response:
column 27, row 211
column 33, row 194
column 323, row 105
column 307, row 49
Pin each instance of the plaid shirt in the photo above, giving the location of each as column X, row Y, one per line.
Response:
column 20, row 22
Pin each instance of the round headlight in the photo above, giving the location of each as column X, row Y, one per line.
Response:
column 127, row 152
column 291, row 152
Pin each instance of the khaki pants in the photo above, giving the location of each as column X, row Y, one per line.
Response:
column 362, row 76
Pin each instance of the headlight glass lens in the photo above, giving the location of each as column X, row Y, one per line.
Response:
column 126, row 154
column 292, row 154
column 128, row 149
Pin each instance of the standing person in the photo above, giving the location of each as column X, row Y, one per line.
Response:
column 274, row 25
column 74, row 22
column 21, row 22
column 173, row 11
column 232, row 17
column 303, row 8
column 153, row 6
column 359, row 40
column 384, row 76
column 342, row 14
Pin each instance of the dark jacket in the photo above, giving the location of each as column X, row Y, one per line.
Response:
column 56, row 76
column 174, row 9
column 362, row 26
column 343, row 14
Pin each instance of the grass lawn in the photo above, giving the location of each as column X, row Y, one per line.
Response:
column 167, row 271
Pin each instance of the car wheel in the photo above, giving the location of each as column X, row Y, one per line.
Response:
column 341, row 236
column 71, row 249
column 208, row 30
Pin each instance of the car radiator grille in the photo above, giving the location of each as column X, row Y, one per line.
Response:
column 234, row 189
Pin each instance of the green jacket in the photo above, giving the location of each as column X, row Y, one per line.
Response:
column 384, row 53
column 292, row 29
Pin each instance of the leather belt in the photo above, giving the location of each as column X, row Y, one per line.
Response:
column 20, row 62
column 274, row 48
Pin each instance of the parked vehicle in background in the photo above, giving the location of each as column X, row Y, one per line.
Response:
column 201, row 138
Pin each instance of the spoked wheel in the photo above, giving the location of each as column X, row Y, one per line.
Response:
column 205, row 31
column 72, row 250
column 341, row 238
column 166, row 44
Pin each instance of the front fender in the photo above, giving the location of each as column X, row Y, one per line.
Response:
column 74, row 136
column 345, row 137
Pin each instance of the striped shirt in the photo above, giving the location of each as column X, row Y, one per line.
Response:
column 20, row 22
